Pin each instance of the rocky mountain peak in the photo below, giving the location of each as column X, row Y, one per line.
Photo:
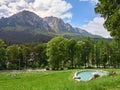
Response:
column 52, row 19
column 58, row 24
column 27, row 15
column 26, row 19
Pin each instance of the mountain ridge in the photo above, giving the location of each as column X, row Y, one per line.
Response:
column 27, row 22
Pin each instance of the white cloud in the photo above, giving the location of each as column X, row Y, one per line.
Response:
column 96, row 27
column 57, row 8
column 96, row 1
column 93, row 1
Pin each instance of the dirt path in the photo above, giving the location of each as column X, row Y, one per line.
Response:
column 28, row 70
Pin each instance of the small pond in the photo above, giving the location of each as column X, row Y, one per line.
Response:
column 86, row 75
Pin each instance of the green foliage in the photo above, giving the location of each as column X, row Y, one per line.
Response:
column 13, row 52
column 2, row 58
column 78, row 53
column 71, row 51
column 13, row 56
column 2, row 43
column 2, row 54
column 60, row 53
column 110, row 10
column 25, row 56
column 40, row 54
column 56, row 52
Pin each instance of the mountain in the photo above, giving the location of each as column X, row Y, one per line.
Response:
column 58, row 25
column 25, row 19
column 26, row 26
column 81, row 31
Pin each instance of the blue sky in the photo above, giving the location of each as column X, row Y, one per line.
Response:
column 82, row 11
column 84, row 16
column 79, row 13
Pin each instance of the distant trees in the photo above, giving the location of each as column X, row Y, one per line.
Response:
column 60, row 53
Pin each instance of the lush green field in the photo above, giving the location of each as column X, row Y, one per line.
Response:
column 55, row 80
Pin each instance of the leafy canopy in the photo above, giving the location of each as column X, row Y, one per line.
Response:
column 110, row 10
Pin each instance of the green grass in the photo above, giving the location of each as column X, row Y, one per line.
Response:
column 56, row 80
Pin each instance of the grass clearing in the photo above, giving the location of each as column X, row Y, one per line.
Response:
column 56, row 80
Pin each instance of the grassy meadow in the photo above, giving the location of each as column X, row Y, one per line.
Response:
column 56, row 80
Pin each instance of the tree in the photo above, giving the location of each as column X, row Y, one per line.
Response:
column 104, row 52
column 110, row 10
column 40, row 54
column 25, row 56
column 2, row 43
column 97, row 54
column 87, row 47
column 56, row 52
column 115, row 55
column 78, row 53
column 2, row 55
column 13, row 54
column 71, row 51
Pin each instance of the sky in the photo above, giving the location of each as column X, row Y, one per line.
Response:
column 79, row 13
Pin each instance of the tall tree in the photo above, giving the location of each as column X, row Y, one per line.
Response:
column 2, row 55
column 56, row 52
column 13, row 53
column 110, row 10
column 71, row 51
column 40, row 54
column 78, row 53
column 87, row 47
column 25, row 56
column 97, row 54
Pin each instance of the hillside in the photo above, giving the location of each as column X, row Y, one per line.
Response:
column 26, row 26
